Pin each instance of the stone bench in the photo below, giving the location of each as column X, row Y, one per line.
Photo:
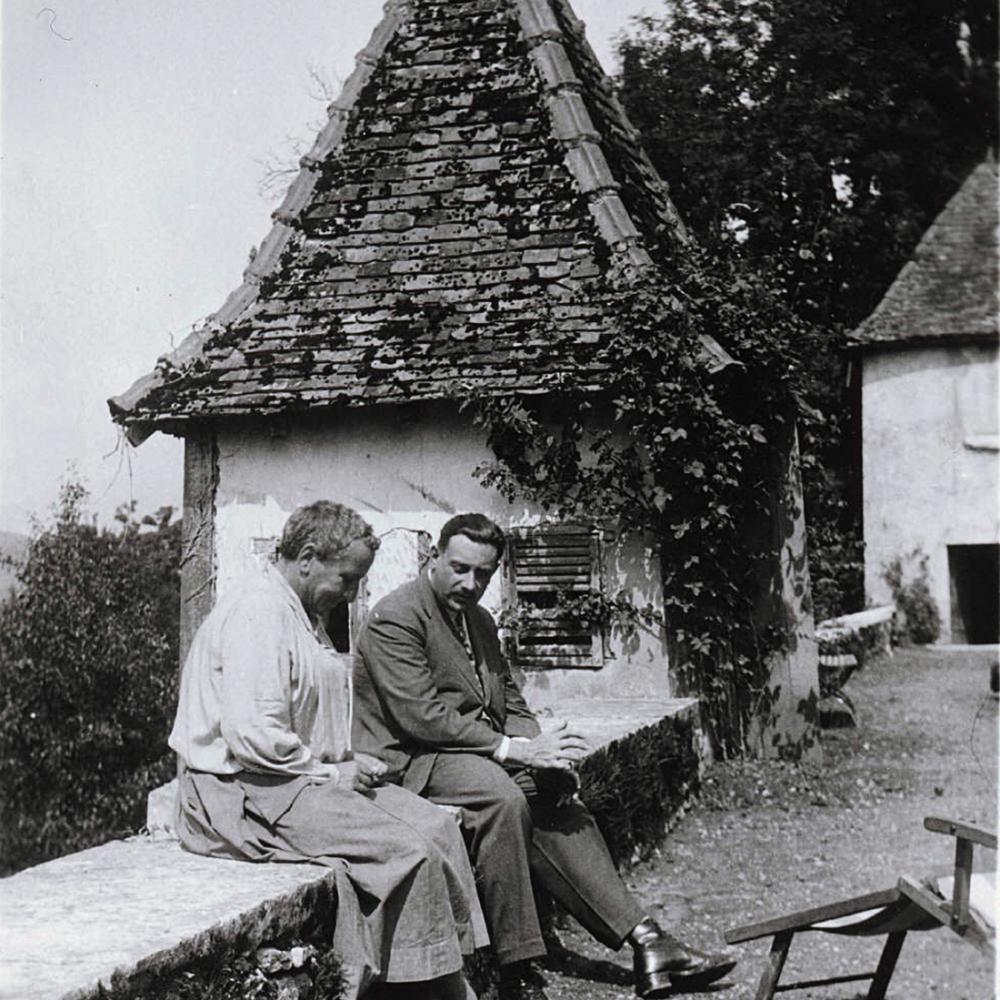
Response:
column 858, row 634
column 844, row 645
column 138, row 912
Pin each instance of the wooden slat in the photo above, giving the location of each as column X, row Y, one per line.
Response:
column 938, row 825
column 558, row 662
column 547, row 626
column 768, row 984
column 886, row 965
column 201, row 481
column 803, row 918
column 577, row 568
column 580, row 544
column 575, row 542
column 556, row 528
column 551, row 637
column 572, row 631
column 561, row 558
column 582, row 560
column 575, row 650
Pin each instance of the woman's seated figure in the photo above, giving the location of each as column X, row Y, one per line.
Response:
column 263, row 734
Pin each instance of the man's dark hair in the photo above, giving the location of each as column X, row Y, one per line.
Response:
column 478, row 528
column 329, row 526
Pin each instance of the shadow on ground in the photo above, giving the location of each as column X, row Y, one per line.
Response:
column 768, row 838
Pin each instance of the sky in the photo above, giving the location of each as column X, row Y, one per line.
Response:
column 134, row 138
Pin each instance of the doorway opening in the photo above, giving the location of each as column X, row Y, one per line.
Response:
column 974, row 571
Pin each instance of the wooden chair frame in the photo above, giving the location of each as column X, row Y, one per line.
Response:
column 909, row 906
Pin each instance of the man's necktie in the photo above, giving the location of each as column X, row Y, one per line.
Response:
column 479, row 667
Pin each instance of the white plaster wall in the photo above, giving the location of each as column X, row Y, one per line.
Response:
column 407, row 470
column 929, row 424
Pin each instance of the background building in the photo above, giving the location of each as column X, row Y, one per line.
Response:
column 928, row 358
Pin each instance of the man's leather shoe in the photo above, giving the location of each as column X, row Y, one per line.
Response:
column 664, row 966
column 521, row 982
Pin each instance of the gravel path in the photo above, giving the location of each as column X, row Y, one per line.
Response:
column 766, row 839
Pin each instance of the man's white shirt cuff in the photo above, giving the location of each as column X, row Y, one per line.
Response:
column 500, row 754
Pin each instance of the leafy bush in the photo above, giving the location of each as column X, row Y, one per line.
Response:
column 88, row 672
column 918, row 620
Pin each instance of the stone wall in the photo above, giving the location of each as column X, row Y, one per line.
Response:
column 144, row 920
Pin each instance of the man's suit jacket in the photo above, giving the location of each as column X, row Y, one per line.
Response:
column 416, row 694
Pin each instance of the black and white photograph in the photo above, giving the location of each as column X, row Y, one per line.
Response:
column 499, row 499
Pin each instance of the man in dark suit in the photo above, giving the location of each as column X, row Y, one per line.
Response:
column 434, row 699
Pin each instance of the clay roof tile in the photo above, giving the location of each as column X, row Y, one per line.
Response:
column 452, row 226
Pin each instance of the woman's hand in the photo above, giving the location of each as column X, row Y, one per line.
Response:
column 362, row 774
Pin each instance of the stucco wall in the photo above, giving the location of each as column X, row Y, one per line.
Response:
column 929, row 424
column 407, row 470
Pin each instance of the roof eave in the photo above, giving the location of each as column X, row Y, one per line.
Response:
column 856, row 343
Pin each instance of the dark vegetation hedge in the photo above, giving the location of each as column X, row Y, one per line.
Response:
column 637, row 786
column 300, row 968
column 88, row 674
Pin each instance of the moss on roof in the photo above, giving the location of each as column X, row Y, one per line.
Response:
column 451, row 229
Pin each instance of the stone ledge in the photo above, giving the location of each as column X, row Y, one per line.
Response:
column 645, row 767
column 143, row 909
column 602, row 721
column 859, row 634
column 139, row 908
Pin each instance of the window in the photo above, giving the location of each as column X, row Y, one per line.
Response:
column 546, row 565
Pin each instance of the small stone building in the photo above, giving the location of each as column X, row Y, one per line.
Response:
column 445, row 238
column 928, row 359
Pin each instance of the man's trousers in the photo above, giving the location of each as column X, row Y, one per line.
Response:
column 515, row 830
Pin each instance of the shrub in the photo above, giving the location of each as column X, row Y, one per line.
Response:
column 88, row 671
column 918, row 620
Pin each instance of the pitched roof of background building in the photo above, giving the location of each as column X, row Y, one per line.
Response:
column 948, row 291
column 450, row 228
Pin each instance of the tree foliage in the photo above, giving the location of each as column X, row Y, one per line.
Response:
column 88, row 668
column 816, row 140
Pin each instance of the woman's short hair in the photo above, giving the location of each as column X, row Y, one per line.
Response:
column 478, row 528
column 329, row 526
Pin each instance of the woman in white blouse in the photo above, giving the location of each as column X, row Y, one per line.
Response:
column 263, row 734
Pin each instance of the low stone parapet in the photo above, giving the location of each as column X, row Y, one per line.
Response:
column 135, row 912
column 860, row 634
column 844, row 645
column 134, row 915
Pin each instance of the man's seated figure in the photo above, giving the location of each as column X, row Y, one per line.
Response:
column 437, row 703
column 267, row 772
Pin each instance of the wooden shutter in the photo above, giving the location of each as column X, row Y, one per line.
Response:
column 543, row 562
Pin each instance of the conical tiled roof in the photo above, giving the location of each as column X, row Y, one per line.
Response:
column 948, row 291
column 450, row 229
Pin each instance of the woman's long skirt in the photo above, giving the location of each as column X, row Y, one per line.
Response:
column 407, row 909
